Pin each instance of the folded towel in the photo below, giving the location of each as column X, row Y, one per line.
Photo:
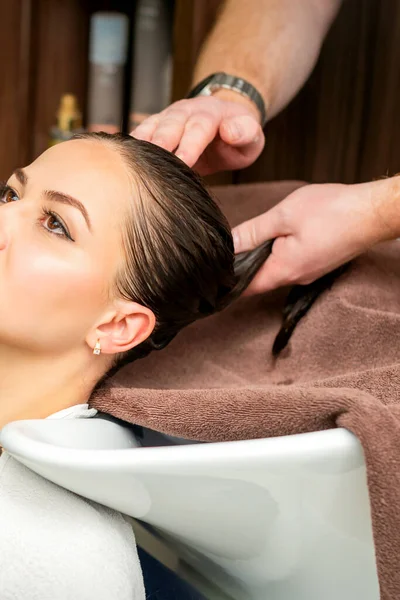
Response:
column 218, row 380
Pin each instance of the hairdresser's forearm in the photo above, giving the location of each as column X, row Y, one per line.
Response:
column 383, row 199
column 274, row 44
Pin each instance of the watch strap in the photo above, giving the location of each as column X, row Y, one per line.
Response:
column 218, row 81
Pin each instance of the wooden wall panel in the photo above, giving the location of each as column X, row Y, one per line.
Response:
column 193, row 21
column 15, row 19
column 380, row 144
column 318, row 137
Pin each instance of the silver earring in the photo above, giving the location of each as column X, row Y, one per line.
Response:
column 97, row 348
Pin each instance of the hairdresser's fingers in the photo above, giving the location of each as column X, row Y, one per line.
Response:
column 272, row 275
column 200, row 130
column 145, row 130
column 170, row 128
column 254, row 232
column 220, row 156
column 231, row 150
column 242, row 130
column 283, row 267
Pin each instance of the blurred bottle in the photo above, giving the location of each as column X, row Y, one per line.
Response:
column 107, row 57
column 69, row 120
column 152, row 59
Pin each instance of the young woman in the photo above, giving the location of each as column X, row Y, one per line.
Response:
column 108, row 247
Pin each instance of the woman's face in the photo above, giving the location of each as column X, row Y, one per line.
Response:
column 60, row 245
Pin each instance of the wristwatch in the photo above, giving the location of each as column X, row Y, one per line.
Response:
column 218, row 81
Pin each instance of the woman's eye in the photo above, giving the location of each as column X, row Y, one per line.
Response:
column 8, row 195
column 53, row 224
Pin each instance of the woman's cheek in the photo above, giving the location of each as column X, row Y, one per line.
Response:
column 58, row 280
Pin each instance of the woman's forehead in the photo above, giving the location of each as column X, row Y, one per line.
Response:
column 92, row 171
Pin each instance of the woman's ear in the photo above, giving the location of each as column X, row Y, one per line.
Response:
column 126, row 327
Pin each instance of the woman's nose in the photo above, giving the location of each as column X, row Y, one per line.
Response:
column 4, row 228
column 3, row 234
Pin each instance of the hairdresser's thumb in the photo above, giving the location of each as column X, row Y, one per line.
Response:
column 256, row 231
column 244, row 238
column 241, row 131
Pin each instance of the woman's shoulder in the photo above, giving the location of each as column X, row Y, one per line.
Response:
column 51, row 536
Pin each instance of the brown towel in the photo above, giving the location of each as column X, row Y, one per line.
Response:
column 218, row 381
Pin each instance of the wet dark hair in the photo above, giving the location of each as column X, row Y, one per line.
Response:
column 180, row 260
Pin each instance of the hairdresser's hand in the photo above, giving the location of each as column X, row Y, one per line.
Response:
column 209, row 133
column 317, row 228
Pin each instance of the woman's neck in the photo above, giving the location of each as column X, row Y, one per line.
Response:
column 37, row 386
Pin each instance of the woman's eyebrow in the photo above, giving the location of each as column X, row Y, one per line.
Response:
column 66, row 199
column 22, row 177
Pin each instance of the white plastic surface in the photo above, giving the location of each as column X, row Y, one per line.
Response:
column 276, row 519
